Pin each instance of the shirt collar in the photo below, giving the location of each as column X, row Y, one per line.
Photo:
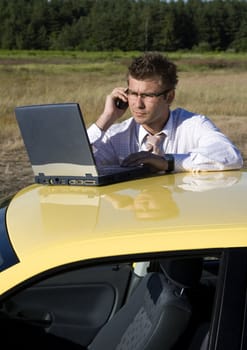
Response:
column 141, row 134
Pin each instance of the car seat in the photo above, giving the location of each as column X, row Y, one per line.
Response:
column 157, row 312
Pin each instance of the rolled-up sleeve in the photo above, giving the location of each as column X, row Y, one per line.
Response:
column 94, row 133
column 212, row 151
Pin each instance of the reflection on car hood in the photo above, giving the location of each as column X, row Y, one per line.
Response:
column 52, row 225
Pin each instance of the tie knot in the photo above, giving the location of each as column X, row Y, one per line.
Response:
column 154, row 143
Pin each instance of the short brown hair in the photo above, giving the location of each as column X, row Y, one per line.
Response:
column 154, row 64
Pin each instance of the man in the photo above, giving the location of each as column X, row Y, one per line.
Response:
column 187, row 141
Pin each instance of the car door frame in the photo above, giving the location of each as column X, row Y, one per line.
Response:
column 228, row 326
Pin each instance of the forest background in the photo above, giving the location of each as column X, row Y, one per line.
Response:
column 126, row 25
column 210, row 82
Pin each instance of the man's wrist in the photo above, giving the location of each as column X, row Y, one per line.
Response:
column 104, row 122
column 170, row 162
column 99, row 126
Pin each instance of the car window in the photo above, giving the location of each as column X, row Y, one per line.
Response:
column 8, row 257
column 79, row 303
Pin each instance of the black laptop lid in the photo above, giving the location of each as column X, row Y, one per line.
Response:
column 56, row 139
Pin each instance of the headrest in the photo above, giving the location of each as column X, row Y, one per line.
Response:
column 184, row 272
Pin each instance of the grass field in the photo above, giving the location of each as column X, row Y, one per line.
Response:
column 210, row 84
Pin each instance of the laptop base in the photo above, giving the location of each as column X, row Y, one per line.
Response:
column 90, row 180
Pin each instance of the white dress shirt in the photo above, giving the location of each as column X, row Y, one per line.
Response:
column 195, row 142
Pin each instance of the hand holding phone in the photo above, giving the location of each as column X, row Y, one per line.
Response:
column 121, row 104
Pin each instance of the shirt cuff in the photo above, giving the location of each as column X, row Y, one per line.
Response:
column 182, row 162
column 94, row 133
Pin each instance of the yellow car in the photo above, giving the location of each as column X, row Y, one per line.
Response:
column 154, row 263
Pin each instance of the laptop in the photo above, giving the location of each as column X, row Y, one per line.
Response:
column 57, row 143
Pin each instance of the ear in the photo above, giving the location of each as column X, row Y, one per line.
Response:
column 170, row 96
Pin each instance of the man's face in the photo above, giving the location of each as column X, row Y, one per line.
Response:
column 147, row 108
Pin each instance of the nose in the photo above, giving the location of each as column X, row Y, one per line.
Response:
column 140, row 101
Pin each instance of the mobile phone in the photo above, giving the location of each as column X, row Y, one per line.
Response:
column 121, row 104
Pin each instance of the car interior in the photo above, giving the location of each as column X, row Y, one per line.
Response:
column 162, row 303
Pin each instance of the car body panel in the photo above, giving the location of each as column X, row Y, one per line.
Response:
column 50, row 226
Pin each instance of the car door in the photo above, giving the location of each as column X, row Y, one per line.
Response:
column 75, row 303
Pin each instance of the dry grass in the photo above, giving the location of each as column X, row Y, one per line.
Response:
column 220, row 94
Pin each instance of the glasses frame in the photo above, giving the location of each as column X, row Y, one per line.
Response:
column 144, row 95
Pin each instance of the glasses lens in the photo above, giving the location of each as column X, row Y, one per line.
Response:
column 148, row 96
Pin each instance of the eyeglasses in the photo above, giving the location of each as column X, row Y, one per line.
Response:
column 148, row 96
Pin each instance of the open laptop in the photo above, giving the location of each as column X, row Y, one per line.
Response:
column 59, row 150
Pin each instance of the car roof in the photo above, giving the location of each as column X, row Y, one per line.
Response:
column 49, row 226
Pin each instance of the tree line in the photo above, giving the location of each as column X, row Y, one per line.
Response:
column 127, row 25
